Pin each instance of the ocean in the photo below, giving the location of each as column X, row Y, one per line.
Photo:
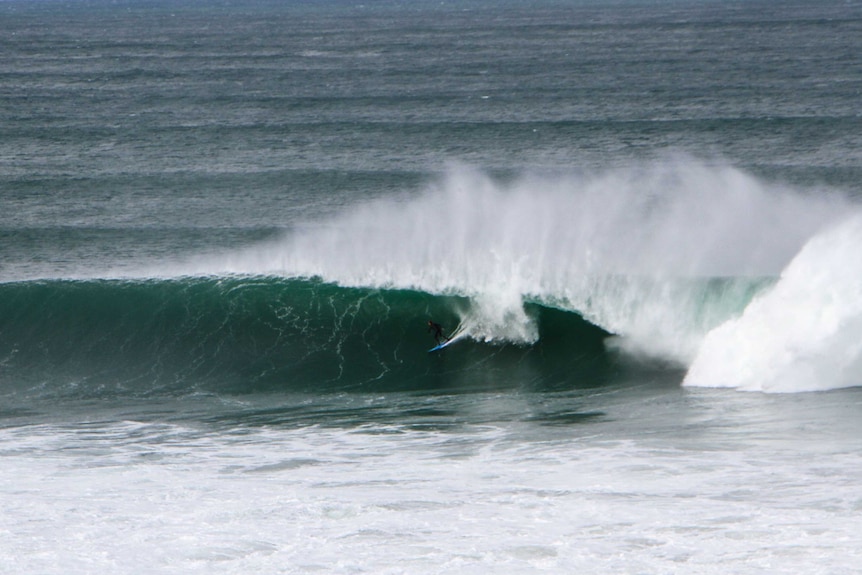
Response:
column 224, row 226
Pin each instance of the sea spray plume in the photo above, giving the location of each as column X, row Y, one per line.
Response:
column 470, row 232
column 620, row 247
column 805, row 334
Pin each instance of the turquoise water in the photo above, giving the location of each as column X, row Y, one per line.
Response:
column 223, row 228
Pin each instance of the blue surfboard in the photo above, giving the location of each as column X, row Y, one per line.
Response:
column 441, row 346
column 459, row 333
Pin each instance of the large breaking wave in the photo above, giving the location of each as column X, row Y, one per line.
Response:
column 659, row 254
column 677, row 260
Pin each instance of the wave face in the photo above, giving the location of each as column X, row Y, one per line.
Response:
column 103, row 338
column 804, row 334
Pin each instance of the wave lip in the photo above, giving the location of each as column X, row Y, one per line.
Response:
column 804, row 334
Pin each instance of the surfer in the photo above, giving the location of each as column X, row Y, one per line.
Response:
column 438, row 331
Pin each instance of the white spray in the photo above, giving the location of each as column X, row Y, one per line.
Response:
column 805, row 334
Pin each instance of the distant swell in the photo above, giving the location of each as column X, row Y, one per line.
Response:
column 103, row 338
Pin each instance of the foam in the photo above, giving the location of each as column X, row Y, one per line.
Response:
column 805, row 334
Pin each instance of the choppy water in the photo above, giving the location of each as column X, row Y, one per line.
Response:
column 223, row 229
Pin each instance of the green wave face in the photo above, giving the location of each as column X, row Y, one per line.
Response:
column 108, row 338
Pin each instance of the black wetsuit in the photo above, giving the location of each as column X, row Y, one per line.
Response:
column 437, row 329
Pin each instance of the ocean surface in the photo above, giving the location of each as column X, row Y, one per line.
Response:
column 224, row 227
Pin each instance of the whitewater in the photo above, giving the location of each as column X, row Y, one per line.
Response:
column 225, row 226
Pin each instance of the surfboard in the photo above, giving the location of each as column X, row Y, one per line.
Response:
column 441, row 346
column 455, row 336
